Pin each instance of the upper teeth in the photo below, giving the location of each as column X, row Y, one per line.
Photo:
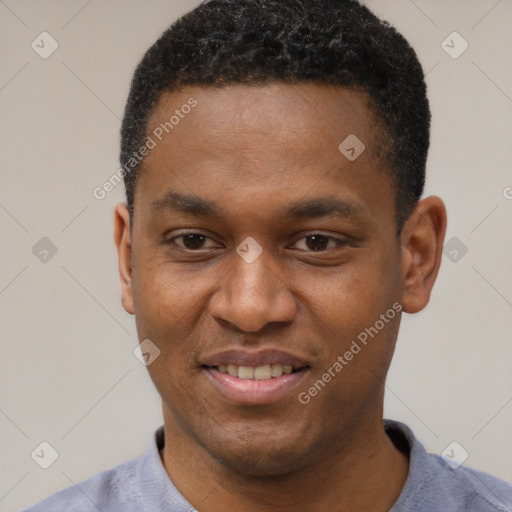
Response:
column 264, row 372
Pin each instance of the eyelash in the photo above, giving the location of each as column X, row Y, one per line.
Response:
column 338, row 242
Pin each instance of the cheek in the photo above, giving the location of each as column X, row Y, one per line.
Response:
column 171, row 306
column 162, row 299
column 354, row 311
column 166, row 310
column 353, row 295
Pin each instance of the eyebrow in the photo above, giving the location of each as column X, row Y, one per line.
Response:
column 324, row 207
column 313, row 208
column 192, row 205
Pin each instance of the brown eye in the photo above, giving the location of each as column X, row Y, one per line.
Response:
column 193, row 240
column 317, row 242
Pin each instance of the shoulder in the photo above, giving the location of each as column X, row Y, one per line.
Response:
column 472, row 490
column 438, row 483
column 110, row 491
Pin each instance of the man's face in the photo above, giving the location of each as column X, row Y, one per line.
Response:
column 263, row 162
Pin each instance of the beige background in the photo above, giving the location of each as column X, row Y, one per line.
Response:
column 67, row 373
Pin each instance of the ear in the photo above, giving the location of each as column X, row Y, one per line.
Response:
column 122, row 239
column 421, row 241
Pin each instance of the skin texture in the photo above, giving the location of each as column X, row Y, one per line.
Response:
column 253, row 151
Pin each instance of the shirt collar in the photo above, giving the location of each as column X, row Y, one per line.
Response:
column 158, row 492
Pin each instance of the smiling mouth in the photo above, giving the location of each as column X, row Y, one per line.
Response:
column 264, row 372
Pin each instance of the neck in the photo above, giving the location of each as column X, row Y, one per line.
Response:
column 364, row 472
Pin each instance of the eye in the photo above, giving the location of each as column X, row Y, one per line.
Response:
column 317, row 242
column 191, row 241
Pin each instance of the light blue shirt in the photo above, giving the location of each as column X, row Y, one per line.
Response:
column 142, row 485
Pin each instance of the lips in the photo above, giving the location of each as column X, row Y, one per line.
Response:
column 254, row 358
column 263, row 372
column 246, row 377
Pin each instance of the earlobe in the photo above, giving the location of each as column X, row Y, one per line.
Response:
column 422, row 240
column 122, row 238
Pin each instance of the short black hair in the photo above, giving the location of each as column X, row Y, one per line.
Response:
column 331, row 42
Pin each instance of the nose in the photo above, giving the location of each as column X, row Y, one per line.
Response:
column 252, row 295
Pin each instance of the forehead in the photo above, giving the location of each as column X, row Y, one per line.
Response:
column 249, row 141
column 282, row 113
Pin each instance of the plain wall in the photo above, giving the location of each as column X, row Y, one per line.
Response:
column 68, row 375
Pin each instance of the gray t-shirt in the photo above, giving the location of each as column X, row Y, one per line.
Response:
column 142, row 485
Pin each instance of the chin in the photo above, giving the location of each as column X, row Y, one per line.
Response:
column 259, row 454
column 258, row 461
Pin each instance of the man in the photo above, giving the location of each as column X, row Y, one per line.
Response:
column 274, row 159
